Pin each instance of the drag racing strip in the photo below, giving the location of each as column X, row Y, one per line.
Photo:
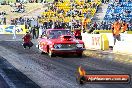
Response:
column 34, row 71
column 8, row 82
column 109, row 55
column 13, row 77
column 58, row 72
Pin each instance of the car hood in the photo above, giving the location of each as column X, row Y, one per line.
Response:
column 58, row 41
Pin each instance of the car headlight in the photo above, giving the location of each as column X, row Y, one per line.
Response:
column 57, row 46
column 79, row 45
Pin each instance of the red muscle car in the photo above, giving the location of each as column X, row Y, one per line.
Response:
column 60, row 41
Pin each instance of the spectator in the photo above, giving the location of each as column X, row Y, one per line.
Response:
column 102, row 25
column 4, row 21
column 34, row 32
column 37, row 31
column 91, row 30
column 95, row 25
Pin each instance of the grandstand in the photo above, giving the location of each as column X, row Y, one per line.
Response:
column 2, row 1
column 67, row 11
column 107, row 13
column 74, row 11
column 122, row 10
column 29, row 8
column 100, row 13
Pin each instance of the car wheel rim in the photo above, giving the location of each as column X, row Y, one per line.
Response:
column 50, row 53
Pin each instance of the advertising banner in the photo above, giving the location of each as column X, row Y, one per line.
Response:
column 10, row 29
column 92, row 41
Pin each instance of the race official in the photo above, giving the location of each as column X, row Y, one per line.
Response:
column 27, row 40
column 116, row 28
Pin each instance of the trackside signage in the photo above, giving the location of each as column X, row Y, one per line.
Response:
column 9, row 29
column 95, row 41
column 92, row 41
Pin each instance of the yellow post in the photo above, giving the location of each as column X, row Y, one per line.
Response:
column 104, row 42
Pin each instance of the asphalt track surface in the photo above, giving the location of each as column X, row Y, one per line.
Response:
column 12, row 77
column 59, row 72
column 3, row 84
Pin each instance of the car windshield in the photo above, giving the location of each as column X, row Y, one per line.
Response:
column 57, row 33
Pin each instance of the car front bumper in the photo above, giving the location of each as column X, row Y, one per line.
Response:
column 66, row 50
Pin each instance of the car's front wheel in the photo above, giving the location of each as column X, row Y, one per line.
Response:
column 79, row 54
column 50, row 53
column 40, row 49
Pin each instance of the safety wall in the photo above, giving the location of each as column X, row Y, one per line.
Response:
column 104, row 40
column 95, row 41
column 123, row 47
column 124, row 37
column 9, row 29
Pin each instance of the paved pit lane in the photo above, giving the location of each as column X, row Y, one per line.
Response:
column 59, row 72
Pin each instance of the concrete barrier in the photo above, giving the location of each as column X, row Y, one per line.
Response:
column 124, row 37
column 104, row 40
column 123, row 46
column 95, row 41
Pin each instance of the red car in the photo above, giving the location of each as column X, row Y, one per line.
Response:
column 60, row 41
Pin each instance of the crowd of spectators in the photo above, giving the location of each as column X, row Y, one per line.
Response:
column 68, row 14
column 119, row 10
column 7, row 2
column 106, row 25
column 28, row 22
column 105, row 1
column 3, row 18
column 62, row 14
column 71, row 16
column 17, row 7
column 122, row 10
